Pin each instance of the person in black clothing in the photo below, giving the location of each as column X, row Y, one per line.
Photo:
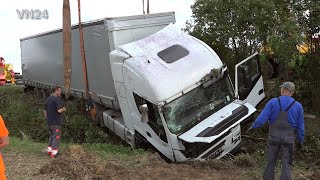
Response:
column 53, row 113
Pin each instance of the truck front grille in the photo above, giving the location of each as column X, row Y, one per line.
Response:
column 214, row 152
column 194, row 150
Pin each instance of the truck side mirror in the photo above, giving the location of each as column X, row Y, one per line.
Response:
column 144, row 112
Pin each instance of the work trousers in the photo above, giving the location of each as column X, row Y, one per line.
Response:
column 286, row 149
column 55, row 134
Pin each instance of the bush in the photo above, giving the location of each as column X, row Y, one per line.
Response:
column 24, row 115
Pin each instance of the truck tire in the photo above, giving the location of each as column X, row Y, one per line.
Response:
column 37, row 93
column 98, row 120
column 140, row 141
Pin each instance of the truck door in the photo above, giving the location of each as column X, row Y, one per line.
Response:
column 248, row 80
column 138, row 109
column 153, row 129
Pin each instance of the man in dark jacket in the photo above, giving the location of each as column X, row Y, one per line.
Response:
column 53, row 113
column 286, row 122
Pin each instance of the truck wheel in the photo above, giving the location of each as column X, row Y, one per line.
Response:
column 95, row 117
column 98, row 119
column 140, row 141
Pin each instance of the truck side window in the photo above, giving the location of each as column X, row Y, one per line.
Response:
column 247, row 80
column 254, row 69
column 154, row 117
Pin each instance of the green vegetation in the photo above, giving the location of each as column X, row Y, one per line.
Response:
column 28, row 135
column 24, row 117
column 103, row 150
column 24, row 146
column 236, row 29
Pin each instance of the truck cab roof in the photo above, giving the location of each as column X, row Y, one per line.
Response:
column 170, row 60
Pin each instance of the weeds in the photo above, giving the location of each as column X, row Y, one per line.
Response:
column 24, row 114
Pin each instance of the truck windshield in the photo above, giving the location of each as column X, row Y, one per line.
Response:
column 196, row 105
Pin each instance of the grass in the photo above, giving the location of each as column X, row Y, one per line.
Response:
column 125, row 155
column 29, row 133
column 249, row 165
column 28, row 146
column 299, row 167
column 23, row 146
column 24, row 115
column 104, row 151
column 26, row 159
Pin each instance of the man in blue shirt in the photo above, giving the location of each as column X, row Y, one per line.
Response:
column 286, row 122
column 53, row 110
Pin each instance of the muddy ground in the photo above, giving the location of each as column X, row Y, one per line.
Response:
column 77, row 163
column 82, row 165
column 87, row 166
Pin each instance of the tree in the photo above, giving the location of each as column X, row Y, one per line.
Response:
column 234, row 29
column 237, row 28
column 308, row 68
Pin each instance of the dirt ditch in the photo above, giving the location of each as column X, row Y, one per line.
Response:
column 76, row 163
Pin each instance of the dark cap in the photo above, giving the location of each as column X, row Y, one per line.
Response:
column 288, row 86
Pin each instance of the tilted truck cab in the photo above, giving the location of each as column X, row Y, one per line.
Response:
column 175, row 93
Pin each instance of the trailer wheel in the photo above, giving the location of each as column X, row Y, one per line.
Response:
column 44, row 93
column 37, row 93
column 27, row 89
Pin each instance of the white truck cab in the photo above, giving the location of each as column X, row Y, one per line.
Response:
column 176, row 94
